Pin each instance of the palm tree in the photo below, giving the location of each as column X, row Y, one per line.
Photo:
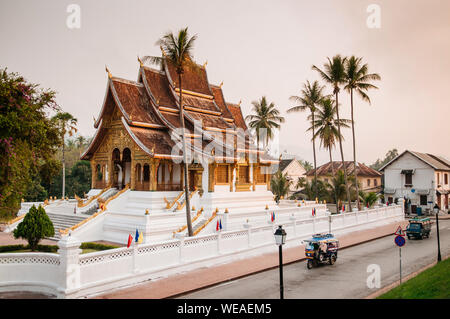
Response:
column 326, row 127
column 81, row 140
column 67, row 125
column 357, row 79
column 279, row 184
column 338, row 187
column 266, row 117
column 369, row 198
column 334, row 75
column 177, row 51
column 311, row 96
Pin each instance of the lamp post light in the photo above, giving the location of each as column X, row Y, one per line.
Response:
column 280, row 240
column 436, row 211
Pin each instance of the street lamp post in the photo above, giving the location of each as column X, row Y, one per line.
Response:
column 436, row 211
column 280, row 240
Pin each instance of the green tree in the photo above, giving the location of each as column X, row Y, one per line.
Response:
column 334, row 75
column 35, row 226
column 265, row 117
column 279, row 185
column 178, row 52
column 67, row 125
column 368, row 199
column 358, row 80
column 28, row 137
column 312, row 189
column 326, row 128
column 390, row 155
column 338, row 189
column 311, row 96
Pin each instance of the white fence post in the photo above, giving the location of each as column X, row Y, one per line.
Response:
column 69, row 252
column 180, row 253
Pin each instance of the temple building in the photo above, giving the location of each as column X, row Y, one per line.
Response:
column 138, row 135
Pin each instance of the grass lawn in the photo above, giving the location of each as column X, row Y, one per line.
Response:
column 433, row 283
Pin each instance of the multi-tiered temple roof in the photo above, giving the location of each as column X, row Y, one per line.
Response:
column 149, row 111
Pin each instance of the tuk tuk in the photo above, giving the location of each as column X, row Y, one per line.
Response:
column 321, row 249
column 418, row 228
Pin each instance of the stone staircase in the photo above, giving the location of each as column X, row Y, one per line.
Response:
column 63, row 221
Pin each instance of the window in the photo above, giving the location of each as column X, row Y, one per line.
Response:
column 375, row 182
column 222, row 174
column 446, row 179
column 368, row 182
column 408, row 179
column 423, row 200
column 438, row 178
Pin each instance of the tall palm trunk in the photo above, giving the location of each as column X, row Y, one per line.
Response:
column 342, row 152
column 64, row 171
column 314, row 154
column 334, row 177
column 186, row 175
column 354, row 152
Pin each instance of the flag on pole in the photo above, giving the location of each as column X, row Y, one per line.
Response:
column 130, row 240
column 141, row 238
column 220, row 224
column 272, row 217
column 217, row 226
column 343, row 208
column 136, row 237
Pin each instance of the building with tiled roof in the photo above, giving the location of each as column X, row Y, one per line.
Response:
column 368, row 178
column 421, row 178
column 138, row 136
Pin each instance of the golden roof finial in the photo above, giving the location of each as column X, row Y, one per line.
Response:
column 157, row 101
column 162, row 50
column 131, row 117
column 94, row 119
column 140, row 61
column 205, row 64
column 221, row 83
column 240, row 101
column 109, row 73
column 153, row 149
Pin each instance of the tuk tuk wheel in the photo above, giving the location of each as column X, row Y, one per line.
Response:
column 309, row 264
column 332, row 259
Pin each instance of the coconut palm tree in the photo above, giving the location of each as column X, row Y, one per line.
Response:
column 326, row 128
column 178, row 52
column 279, row 184
column 67, row 125
column 265, row 117
column 81, row 140
column 311, row 96
column 357, row 79
column 334, row 75
column 368, row 199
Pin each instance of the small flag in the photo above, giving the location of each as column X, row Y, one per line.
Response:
column 141, row 238
column 220, row 224
column 343, row 208
column 272, row 217
column 130, row 240
column 217, row 226
column 136, row 237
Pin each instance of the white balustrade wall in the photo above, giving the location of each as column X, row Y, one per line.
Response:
column 70, row 274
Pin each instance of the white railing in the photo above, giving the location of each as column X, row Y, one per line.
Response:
column 92, row 273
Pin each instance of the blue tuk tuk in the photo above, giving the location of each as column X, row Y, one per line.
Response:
column 321, row 249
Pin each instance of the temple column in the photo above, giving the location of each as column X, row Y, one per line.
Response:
column 171, row 175
column 154, row 174
column 93, row 173
column 212, row 177
column 132, row 173
column 254, row 173
column 231, row 175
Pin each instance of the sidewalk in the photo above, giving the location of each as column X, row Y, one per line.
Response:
column 204, row 277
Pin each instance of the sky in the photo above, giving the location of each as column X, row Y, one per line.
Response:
column 257, row 48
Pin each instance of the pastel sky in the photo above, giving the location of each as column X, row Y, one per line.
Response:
column 256, row 48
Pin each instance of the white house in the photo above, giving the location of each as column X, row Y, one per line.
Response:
column 294, row 171
column 420, row 177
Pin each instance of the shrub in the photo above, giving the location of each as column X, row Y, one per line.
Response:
column 97, row 246
column 35, row 226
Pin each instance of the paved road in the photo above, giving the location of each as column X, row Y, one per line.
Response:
column 345, row 279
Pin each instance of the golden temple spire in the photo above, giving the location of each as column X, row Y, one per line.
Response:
column 109, row 73
column 205, row 64
column 221, row 83
column 140, row 61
